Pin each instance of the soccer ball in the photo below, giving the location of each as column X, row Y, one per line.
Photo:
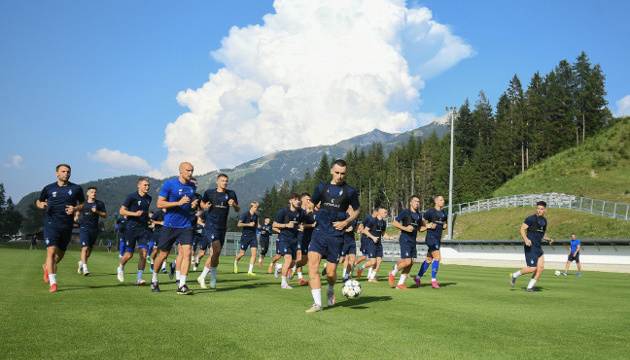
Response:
column 351, row 289
column 557, row 273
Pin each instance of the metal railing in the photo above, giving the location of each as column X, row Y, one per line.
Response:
column 573, row 202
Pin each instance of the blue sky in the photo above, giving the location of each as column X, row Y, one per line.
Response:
column 122, row 87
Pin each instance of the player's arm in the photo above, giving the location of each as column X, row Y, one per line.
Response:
column 366, row 232
column 399, row 226
column 524, row 234
column 200, row 222
column 385, row 236
column 124, row 212
column 354, row 213
column 550, row 240
column 163, row 203
column 234, row 204
column 579, row 247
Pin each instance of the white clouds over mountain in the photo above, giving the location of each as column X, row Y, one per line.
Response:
column 315, row 72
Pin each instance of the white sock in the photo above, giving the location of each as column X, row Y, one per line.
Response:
column 395, row 270
column 259, row 259
column 213, row 274
column 516, row 274
column 278, row 266
column 182, row 280
column 164, row 265
column 178, row 275
column 80, row 263
column 52, row 278
column 294, row 268
column 284, row 281
column 139, row 276
column 345, row 271
column 531, row 283
column 251, row 268
column 205, row 272
column 235, row 262
column 85, row 267
column 317, row 296
column 433, row 279
column 121, row 267
column 155, row 277
column 402, row 279
column 300, row 275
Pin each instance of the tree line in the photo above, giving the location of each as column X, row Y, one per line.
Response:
column 492, row 145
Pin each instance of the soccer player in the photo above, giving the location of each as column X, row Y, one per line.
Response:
column 349, row 250
column 263, row 242
column 176, row 266
column 287, row 222
column 136, row 209
column 363, row 240
column 157, row 221
column 409, row 222
column 217, row 203
column 375, row 229
column 249, row 222
column 574, row 255
column 121, row 223
column 304, row 237
column 533, row 231
column 333, row 199
column 61, row 200
column 436, row 218
column 202, row 244
column 176, row 199
column 88, row 231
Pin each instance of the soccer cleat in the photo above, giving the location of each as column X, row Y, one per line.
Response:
column 324, row 272
column 151, row 269
column 392, row 278
column 86, row 272
column 564, row 273
column 330, row 294
column 46, row 279
column 359, row 272
column 79, row 270
column 290, row 274
column 417, row 280
column 345, row 278
column 402, row 287
column 286, row 287
column 213, row 285
column 202, row 282
column 184, row 290
column 163, row 270
column 302, row 282
column 512, row 280
column 53, row 288
column 530, row 290
column 140, row 282
column 251, row 274
column 194, row 266
column 578, row 274
column 236, row 269
column 155, row 287
column 435, row 284
column 121, row 274
column 373, row 280
column 171, row 273
column 315, row 308
column 260, row 264
column 276, row 271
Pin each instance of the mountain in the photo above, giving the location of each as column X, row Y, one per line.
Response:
column 252, row 178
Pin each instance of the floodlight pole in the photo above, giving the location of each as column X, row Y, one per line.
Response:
column 453, row 111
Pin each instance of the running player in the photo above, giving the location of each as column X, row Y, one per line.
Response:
column 136, row 209
column 436, row 223
column 304, row 238
column 176, row 199
column 121, row 224
column 157, row 221
column 89, row 227
column 533, row 231
column 409, row 222
column 265, row 232
column 287, row 222
column 375, row 229
column 349, row 251
column 61, row 200
column 363, row 240
column 217, row 203
column 333, row 199
column 249, row 222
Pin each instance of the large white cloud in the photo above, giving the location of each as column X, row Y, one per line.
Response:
column 315, row 72
column 119, row 161
column 623, row 106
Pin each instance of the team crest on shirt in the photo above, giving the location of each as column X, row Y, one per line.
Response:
column 54, row 194
column 69, row 192
column 139, row 202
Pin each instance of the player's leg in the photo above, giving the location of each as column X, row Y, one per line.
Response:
column 252, row 260
column 314, row 259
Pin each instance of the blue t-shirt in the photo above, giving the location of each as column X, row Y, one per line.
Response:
column 247, row 218
column 574, row 245
column 158, row 215
column 536, row 228
column 217, row 215
column 365, row 221
column 135, row 202
column 58, row 197
column 265, row 231
column 376, row 227
column 333, row 196
column 285, row 215
column 173, row 191
column 437, row 217
column 406, row 218
column 89, row 219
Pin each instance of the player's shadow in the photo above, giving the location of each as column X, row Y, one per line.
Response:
column 444, row 284
column 358, row 304
column 536, row 289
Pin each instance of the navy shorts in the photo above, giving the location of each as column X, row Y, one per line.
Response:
column 575, row 258
column 170, row 236
column 433, row 244
column 136, row 236
column 213, row 235
column 532, row 253
column 88, row 237
column 248, row 241
column 264, row 245
column 203, row 243
column 408, row 250
column 287, row 248
column 155, row 237
column 56, row 237
column 375, row 250
column 329, row 246
column 349, row 247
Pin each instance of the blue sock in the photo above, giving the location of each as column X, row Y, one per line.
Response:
column 434, row 269
column 423, row 268
column 122, row 248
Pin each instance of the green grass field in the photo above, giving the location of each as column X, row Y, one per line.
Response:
column 475, row 315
